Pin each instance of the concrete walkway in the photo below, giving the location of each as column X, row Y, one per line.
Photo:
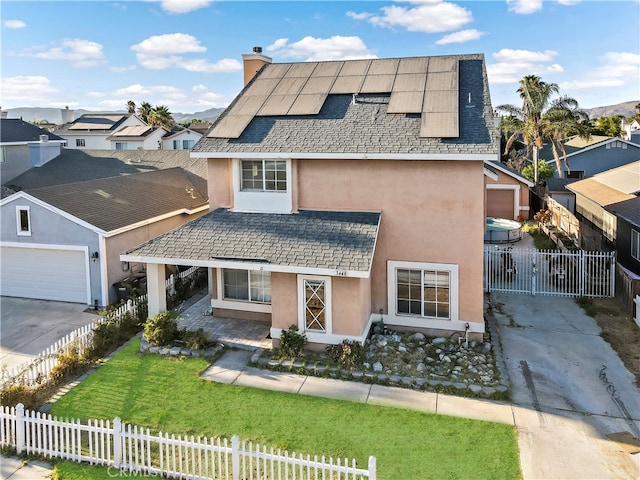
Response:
column 12, row 468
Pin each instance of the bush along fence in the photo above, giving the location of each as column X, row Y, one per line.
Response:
column 129, row 449
column 116, row 324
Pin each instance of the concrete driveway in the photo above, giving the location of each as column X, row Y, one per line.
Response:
column 27, row 327
column 570, row 425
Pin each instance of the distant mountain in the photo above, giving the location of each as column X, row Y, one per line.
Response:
column 54, row 115
column 626, row 109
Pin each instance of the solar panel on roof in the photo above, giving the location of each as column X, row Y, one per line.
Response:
column 409, row 82
column 413, row 65
column 385, row 66
column 350, row 84
column 327, row 69
column 262, row 86
column 230, row 126
column 440, row 101
column 247, row 105
column 377, row 84
column 307, row 104
column 289, row 86
column 443, row 64
column 405, row 102
column 354, row 67
column 275, row 70
column 442, row 81
column 277, row 105
column 439, row 125
column 317, row 85
column 303, row 69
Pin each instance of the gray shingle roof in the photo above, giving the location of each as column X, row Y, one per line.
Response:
column 83, row 165
column 366, row 128
column 16, row 130
column 117, row 202
column 308, row 239
column 629, row 210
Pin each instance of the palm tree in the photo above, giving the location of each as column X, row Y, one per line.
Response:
column 160, row 115
column 131, row 106
column 542, row 119
column 144, row 110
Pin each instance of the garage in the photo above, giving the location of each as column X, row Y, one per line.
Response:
column 500, row 203
column 44, row 273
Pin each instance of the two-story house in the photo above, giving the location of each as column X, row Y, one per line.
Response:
column 344, row 193
column 93, row 131
column 24, row 146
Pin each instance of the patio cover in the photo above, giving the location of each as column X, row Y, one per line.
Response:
column 310, row 242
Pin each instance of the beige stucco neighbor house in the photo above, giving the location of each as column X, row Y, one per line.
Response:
column 344, row 193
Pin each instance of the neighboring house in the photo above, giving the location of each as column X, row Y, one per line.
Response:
column 586, row 158
column 63, row 242
column 92, row 131
column 344, row 193
column 594, row 195
column 180, row 139
column 631, row 130
column 507, row 192
column 627, row 215
column 556, row 188
column 143, row 137
column 24, row 146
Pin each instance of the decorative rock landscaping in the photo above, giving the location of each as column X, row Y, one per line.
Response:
column 176, row 350
column 411, row 360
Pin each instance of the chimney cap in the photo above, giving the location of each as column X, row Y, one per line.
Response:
column 257, row 49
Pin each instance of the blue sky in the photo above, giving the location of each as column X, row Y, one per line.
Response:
column 186, row 54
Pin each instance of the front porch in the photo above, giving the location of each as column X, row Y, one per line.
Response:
column 234, row 333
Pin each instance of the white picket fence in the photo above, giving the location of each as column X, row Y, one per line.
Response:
column 128, row 449
column 38, row 369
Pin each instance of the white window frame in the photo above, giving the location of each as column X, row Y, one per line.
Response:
column 635, row 244
column 80, row 142
column 261, row 201
column 315, row 336
column 123, row 145
column 236, row 304
column 420, row 321
column 264, row 180
column 188, row 144
column 19, row 230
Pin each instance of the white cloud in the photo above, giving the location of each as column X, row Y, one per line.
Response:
column 313, row 49
column 429, row 16
column 513, row 64
column 123, row 69
column 183, row 6
column 81, row 53
column 460, row 37
column 37, row 89
column 524, row 7
column 615, row 69
column 166, row 51
column 14, row 24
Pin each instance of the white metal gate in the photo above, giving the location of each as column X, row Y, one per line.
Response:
column 549, row 272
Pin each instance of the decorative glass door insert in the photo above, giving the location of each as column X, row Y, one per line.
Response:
column 315, row 307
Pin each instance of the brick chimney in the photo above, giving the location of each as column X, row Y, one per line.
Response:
column 253, row 62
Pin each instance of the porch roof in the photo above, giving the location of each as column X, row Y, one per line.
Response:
column 314, row 242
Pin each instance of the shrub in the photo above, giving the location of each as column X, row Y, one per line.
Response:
column 71, row 362
column 292, row 342
column 347, row 354
column 161, row 329
column 543, row 216
column 195, row 339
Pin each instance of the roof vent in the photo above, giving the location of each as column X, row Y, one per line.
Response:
column 257, row 49
column 354, row 99
column 44, row 138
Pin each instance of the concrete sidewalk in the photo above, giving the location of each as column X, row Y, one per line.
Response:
column 554, row 444
column 13, row 468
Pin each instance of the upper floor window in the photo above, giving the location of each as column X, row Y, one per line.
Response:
column 635, row 244
column 574, row 174
column 187, row 144
column 80, row 142
column 23, row 220
column 264, row 175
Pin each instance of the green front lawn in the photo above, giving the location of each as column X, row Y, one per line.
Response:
column 167, row 394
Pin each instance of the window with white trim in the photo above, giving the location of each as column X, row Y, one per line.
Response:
column 121, row 145
column 246, row 285
column 23, row 219
column 187, row 144
column 263, row 175
column 80, row 142
column 422, row 290
column 635, row 244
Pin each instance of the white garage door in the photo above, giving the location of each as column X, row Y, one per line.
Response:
column 44, row 273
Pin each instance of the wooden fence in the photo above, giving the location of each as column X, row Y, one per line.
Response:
column 38, row 369
column 125, row 448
